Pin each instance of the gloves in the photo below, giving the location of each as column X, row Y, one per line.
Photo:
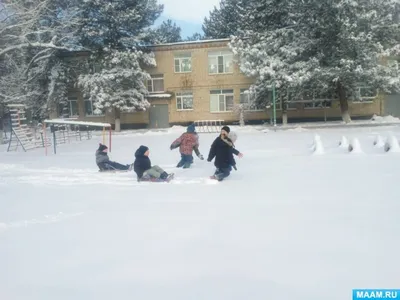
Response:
column 208, row 159
column 201, row 157
column 171, row 148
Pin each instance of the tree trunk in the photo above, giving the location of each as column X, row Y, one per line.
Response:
column 1, row 136
column 241, row 116
column 117, row 116
column 344, row 104
column 284, row 118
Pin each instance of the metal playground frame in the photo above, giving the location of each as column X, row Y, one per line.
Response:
column 210, row 126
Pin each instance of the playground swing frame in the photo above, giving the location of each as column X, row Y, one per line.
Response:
column 106, row 127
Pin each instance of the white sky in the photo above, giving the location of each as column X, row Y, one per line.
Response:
column 192, row 11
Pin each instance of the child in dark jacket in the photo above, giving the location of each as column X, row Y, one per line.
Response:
column 105, row 164
column 144, row 170
column 187, row 142
column 223, row 149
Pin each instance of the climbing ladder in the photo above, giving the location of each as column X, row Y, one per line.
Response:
column 21, row 135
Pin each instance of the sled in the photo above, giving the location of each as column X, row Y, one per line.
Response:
column 153, row 179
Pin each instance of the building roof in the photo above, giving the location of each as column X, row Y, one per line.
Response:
column 192, row 42
column 165, row 47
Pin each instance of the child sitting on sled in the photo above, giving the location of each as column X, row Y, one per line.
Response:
column 187, row 142
column 105, row 164
column 144, row 170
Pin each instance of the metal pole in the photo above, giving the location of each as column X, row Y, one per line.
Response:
column 274, row 103
column 54, row 140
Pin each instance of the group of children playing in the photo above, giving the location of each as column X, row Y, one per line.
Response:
column 222, row 149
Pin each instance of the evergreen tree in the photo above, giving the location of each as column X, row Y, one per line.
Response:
column 323, row 47
column 116, row 32
column 228, row 19
column 168, row 32
column 195, row 37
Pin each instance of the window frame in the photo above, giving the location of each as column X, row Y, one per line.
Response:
column 70, row 100
column 220, row 54
column 180, row 57
column 249, row 107
column 155, row 77
column 181, row 96
column 224, row 93
column 92, row 107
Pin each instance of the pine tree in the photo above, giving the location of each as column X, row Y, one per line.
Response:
column 116, row 32
column 323, row 46
column 168, row 32
column 227, row 20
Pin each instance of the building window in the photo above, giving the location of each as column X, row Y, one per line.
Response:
column 248, row 99
column 220, row 62
column 68, row 108
column 364, row 95
column 221, row 100
column 183, row 63
column 184, row 100
column 156, row 84
column 315, row 100
column 90, row 108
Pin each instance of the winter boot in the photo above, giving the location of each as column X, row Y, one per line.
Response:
column 164, row 175
column 186, row 165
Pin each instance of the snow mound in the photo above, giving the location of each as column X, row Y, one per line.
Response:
column 385, row 119
column 317, row 147
column 378, row 142
column 344, row 143
column 297, row 129
column 177, row 129
column 354, row 146
column 247, row 128
column 392, row 145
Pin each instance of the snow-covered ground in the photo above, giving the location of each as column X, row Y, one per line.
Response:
column 289, row 224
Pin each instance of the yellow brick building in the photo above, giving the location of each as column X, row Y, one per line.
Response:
column 200, row 80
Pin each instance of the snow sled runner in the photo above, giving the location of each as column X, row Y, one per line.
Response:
column 114, row 171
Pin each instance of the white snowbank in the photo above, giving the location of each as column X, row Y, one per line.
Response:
column 344, row 143
column 317, row 147
column 379, row 142
column 385, row 119
column 298, row 129
column 392, row 145
column 354, row 146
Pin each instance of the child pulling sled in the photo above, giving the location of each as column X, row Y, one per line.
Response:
column 187, row 142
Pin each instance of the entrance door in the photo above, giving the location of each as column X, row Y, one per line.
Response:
column 159, row 116
column 392, row 105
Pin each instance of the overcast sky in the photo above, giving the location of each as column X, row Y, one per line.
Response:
column 188, row 14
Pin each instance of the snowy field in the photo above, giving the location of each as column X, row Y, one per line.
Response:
column 289, row 224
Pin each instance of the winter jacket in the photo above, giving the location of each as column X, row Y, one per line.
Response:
column 101, row 157
column 222, row 149
column 186, row 143
column 142, row 162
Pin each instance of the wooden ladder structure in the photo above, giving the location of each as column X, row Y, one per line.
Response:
column 21, row 135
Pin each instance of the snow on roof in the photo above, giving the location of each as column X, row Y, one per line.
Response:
column 62, row 121
column 159, row 96
column 192, row 42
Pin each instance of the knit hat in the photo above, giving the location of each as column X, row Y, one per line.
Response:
column 226, row 128
column 191, row 128
column 141, row 150
column 102, row 147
